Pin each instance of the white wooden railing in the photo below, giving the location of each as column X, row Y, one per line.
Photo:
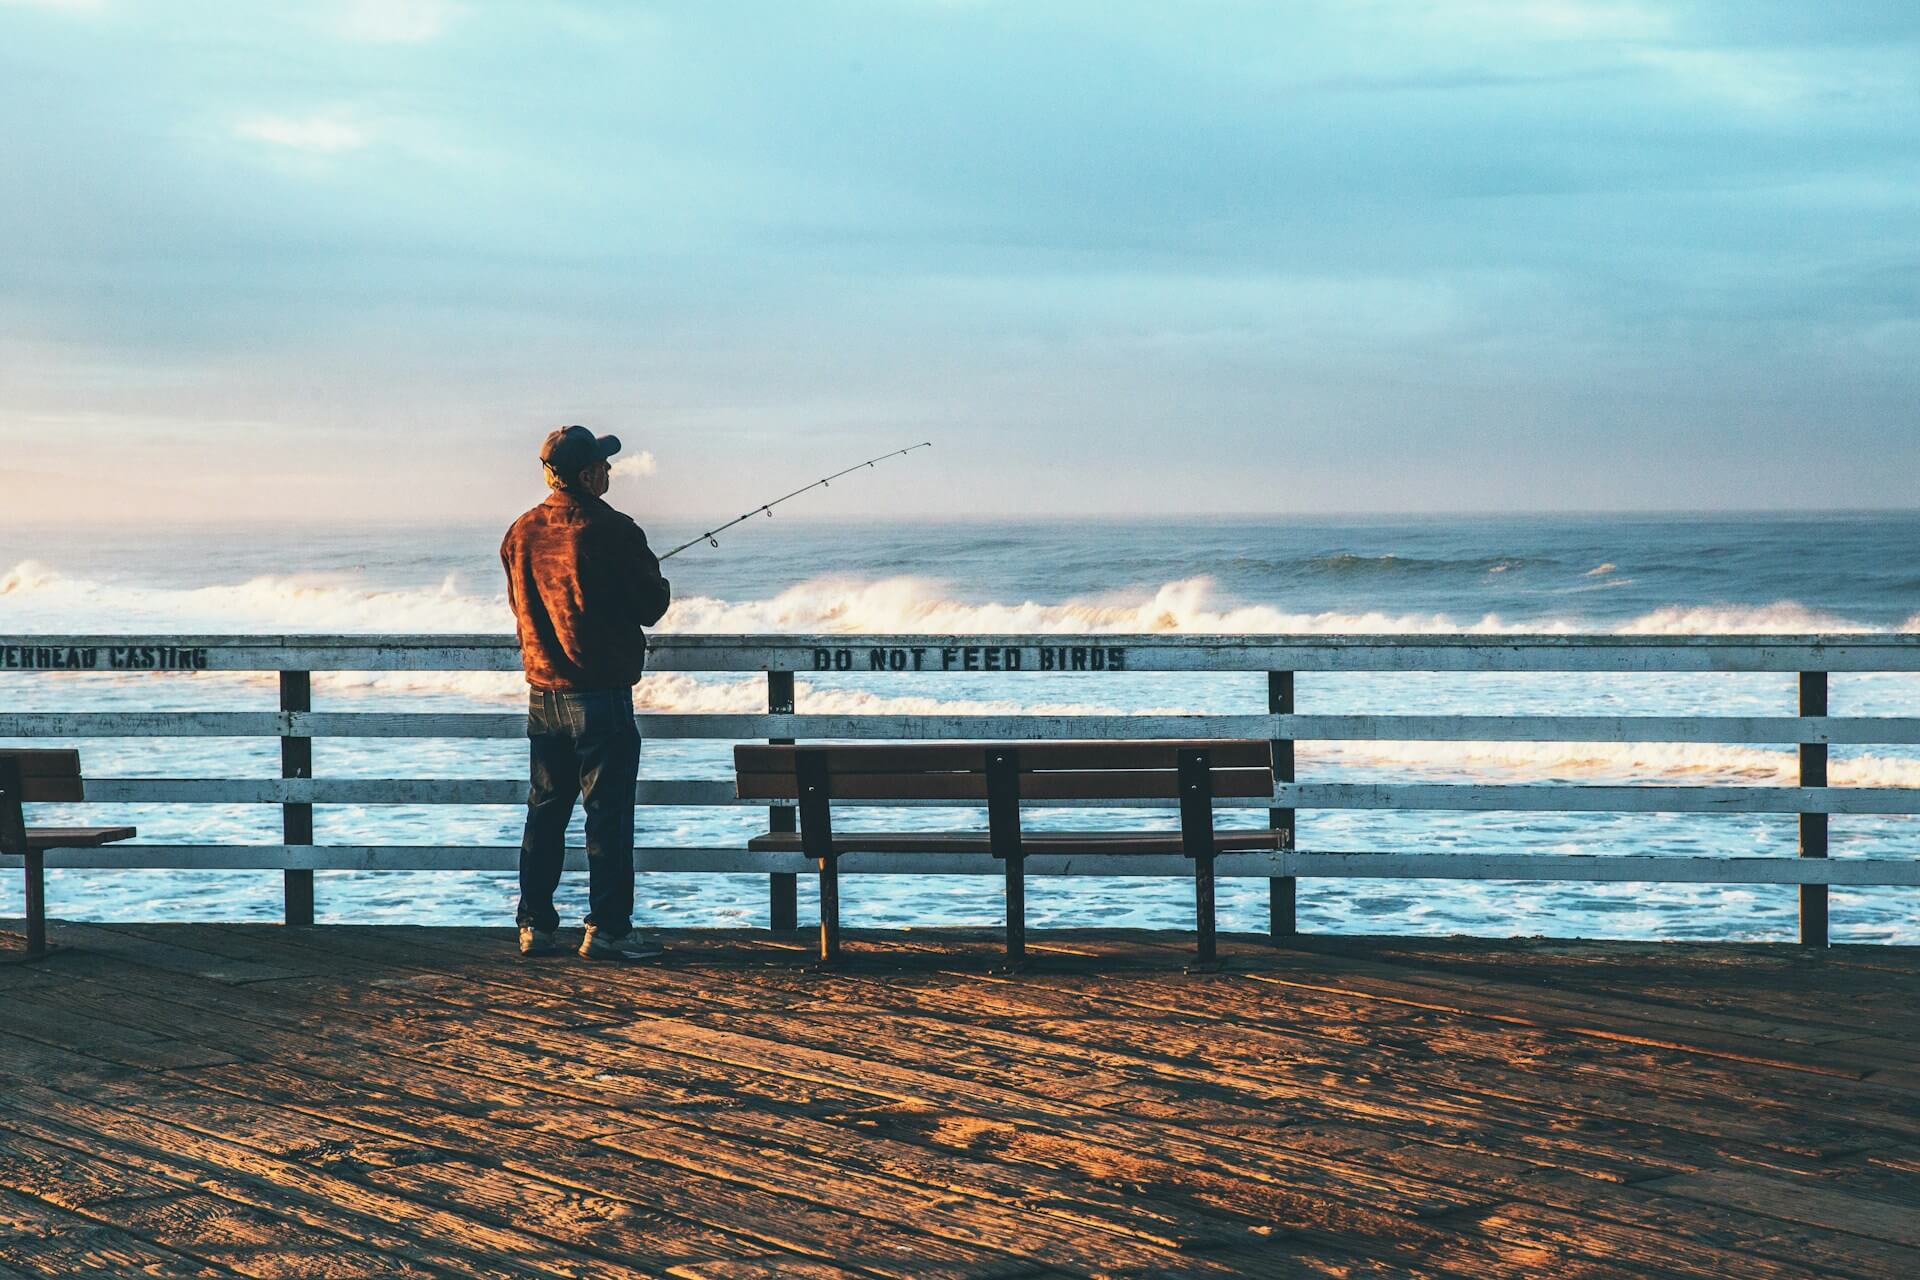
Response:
column 1808, row 659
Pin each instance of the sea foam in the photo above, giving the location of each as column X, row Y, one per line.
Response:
column 37, row 599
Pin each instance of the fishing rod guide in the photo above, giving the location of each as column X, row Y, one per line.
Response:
column 712, row 536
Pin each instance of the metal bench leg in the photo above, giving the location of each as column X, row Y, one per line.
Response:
column 1016, row 913
column 36, row 903
column 1196, row 841
column 816, row 841
column 1205, row 955
column 1003, row 837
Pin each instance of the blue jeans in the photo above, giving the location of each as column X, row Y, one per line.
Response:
column 583, row 745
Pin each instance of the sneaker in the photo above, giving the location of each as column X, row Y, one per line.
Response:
column 536, row 942
column 597, row 946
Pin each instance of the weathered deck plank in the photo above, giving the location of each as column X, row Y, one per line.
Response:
column 221, row 1100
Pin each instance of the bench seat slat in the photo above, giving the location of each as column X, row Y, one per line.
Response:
column 1111, row 784
column 1032, row 842
column 969, row 757
column 75, row 837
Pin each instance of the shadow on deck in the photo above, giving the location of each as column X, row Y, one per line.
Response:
column 219, row 1100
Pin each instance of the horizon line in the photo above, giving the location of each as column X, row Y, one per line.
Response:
column 96, row 521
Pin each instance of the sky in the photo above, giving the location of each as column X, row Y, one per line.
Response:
column 345, row 260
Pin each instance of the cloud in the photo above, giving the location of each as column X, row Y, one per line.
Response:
column 639, row 466
column 1745, row 80
column 397, row 21
column 322, row 134
column 72, row 6
column 1474, row 243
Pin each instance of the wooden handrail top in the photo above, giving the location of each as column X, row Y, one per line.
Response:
column 1022, row 652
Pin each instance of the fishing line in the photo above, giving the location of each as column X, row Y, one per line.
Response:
column 712, row 536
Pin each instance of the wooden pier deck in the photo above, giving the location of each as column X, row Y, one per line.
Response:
column 210, row 1100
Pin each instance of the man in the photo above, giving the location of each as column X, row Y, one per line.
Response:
column 583, row 584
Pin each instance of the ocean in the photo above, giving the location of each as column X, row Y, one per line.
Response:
column 1491, row 575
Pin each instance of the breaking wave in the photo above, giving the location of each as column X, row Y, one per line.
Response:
column 908, row 605
column 1188, row 606
column 35, row 598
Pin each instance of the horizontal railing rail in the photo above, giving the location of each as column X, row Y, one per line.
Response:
column 296, row 727
column 697, row 792
column 990, row 653
column 1733, row 730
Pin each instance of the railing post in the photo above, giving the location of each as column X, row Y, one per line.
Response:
column 296, row 820
column 783, row 892
column 1281, row 890
column 1813, row 826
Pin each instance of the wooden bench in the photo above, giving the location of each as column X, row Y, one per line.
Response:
column 43, row 777
column 1003, row 774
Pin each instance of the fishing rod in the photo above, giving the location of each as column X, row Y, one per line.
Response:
column 712, row 536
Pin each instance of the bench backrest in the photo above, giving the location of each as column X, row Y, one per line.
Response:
column 33, row 776
column 1141, row 770
column 45, row 776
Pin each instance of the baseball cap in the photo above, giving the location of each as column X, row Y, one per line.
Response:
column 571, row 450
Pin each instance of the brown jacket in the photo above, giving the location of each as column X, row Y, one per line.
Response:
column 582, row 583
